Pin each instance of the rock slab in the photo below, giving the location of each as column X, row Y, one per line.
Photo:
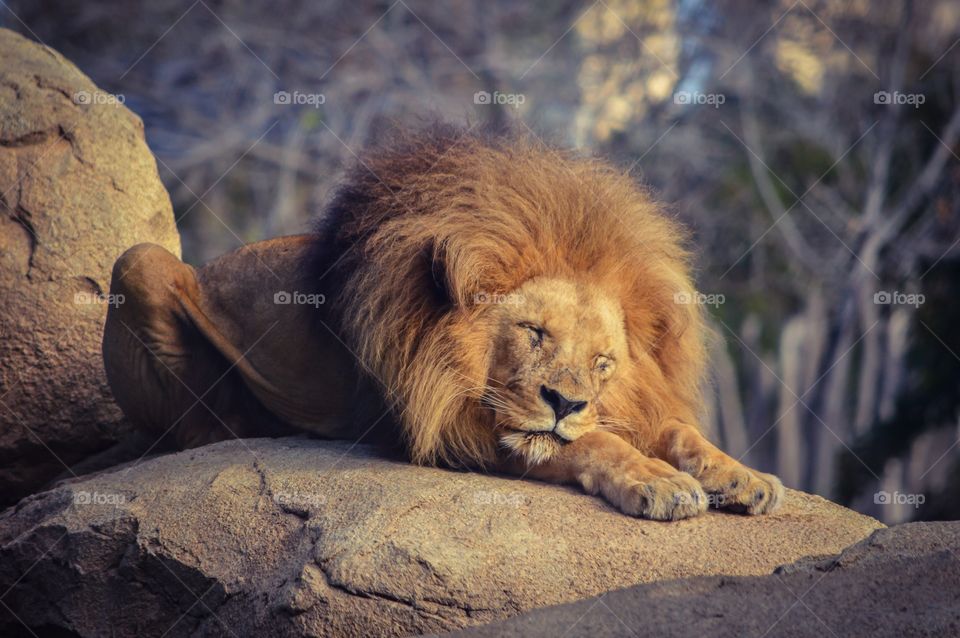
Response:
column 900, row 582
column 78, row 186
column 298, row 537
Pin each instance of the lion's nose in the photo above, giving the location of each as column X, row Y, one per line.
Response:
column 562, row 406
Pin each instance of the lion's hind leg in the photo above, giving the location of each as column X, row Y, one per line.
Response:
column 165, row 374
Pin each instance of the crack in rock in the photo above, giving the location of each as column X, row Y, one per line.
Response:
column 22, row 217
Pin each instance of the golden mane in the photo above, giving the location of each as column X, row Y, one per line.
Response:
column 426, row 223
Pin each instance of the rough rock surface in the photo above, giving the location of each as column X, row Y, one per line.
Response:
column 78, row 186
column 303, row 537
column 902, row 581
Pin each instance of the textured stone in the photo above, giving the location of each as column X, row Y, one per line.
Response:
column 902, row 581
column 303, row 537
column 78, row 186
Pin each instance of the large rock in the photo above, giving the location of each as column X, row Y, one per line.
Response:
column 78, row 186
column 902, row 581
column 303, row 537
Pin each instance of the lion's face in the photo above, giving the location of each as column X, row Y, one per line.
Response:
column 557, row 348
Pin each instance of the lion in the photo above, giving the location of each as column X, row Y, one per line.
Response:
column 480, row 301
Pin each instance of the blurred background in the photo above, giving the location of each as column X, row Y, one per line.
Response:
column 810, row 145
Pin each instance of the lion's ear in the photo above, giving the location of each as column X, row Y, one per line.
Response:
column 681, row 346
column 457, row 277
column 438, row 280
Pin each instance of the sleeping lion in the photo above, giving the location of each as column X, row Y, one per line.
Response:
column 482, row 301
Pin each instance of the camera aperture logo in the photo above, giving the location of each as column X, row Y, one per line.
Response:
column 504, row 99
column 698, row 98
column 897, row 298
column 899, row 498
column 299, row 98
column 297, row 298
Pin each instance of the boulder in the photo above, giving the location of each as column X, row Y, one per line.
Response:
column 78, row 186
column 299, row 537
column 901, row 581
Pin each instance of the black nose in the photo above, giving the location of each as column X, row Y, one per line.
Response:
column 562, row 406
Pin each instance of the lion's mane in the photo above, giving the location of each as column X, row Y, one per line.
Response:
column 427, row 223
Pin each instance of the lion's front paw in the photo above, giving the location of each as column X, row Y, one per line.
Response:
column 740, row 489
column 668, row 498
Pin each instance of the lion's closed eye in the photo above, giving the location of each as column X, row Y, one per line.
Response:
column 604, row 365
column 535, row 332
